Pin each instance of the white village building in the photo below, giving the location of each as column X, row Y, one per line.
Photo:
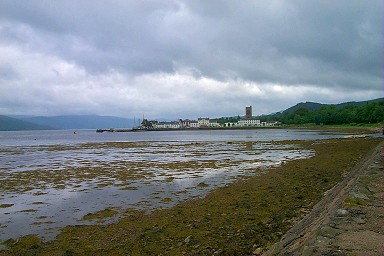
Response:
column 203, row 122
column 167, row 125
column 248, row 122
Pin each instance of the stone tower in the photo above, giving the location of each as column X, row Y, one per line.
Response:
column 248, row 112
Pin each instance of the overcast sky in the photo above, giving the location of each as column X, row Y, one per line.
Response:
column 187, row 59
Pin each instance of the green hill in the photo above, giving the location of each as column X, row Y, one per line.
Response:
column 313, row 106
column 362, row 112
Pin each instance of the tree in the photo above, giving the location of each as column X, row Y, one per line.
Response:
column 146, row 123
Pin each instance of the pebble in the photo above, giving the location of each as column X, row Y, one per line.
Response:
column 341, row 213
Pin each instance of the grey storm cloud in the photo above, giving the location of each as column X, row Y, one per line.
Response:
column 329, row 47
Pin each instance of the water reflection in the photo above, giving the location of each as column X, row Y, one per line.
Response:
column 46, row 187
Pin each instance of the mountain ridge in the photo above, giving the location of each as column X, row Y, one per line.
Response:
column 67, row 122
column 312, row 106
column 12, row 124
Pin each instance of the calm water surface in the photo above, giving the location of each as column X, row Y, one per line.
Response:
column 51, row 179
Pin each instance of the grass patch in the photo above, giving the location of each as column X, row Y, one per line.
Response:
column 6, row 205
column 351, row 202
column 29, row 210
column 27, row 245
column 106, row 213
column 167, row 200
column 129, row 188
column 202, row 185
column 169, row 179
column 37, row 203
column 38, row 223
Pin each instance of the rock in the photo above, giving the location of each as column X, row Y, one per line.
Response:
column 323, row 240
column 359, row 221
column 308, row 251
column 360, row 196
column 329, row 231
column 333, row 225
column 258, row 251
column 341, row 213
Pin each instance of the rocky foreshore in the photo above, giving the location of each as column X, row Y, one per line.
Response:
column 349, row 220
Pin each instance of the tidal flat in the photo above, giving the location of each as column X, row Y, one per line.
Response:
column 62, row 184
column 224, row 198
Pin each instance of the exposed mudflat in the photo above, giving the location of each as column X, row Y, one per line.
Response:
column 246, row 217
column 45, row 188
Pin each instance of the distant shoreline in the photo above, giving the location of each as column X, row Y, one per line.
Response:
column 184, row 129
column 345, row 128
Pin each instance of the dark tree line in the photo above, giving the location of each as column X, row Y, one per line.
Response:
column 223, row 120
column 372, row 112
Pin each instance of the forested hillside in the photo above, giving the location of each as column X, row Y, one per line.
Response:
column 312, row 106
column 371, row 112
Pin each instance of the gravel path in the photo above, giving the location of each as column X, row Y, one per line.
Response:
column 349, row 220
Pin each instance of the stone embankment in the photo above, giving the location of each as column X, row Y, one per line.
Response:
column 349, row 220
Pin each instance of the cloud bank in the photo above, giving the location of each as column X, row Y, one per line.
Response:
column 180, row 59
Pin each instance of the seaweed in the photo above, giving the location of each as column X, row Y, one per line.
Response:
column 232, row 220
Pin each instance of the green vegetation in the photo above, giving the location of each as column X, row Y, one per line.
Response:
column 5, row 205
column 232, row 220
column 369, row 113
column 147, row 124
column 106, row 213
column 223, row 120
column 349, row 202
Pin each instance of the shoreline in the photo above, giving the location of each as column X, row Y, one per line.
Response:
column 234, row 219
column 375, row 128
column 361, row 216
column 312, row 235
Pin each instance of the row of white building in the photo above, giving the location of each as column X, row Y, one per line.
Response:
column 209, row 123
